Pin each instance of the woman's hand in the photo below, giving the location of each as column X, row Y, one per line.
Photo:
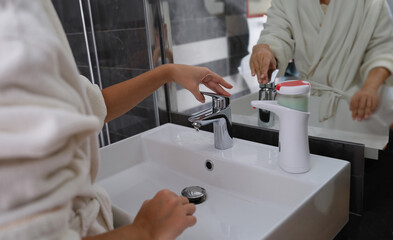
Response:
column 363, row 103
column 165, row 216
column 190, row 77
column 262, row 62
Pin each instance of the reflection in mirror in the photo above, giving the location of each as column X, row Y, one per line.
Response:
column 221, row 34
column 212, row 34
column 257, row 8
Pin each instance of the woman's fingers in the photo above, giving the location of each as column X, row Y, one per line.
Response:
column 262, row 60
column 184, row 200
column 165, row 216
column 362, row 108
column 199, row 96
column 363, row 104
column 219, row 80
column 189, row 209
column 354, row 106
column 252, row 67
column 374, row 104
column 191, row 220
column 216, row 83
column 367, row 111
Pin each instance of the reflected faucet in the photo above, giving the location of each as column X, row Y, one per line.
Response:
column 266, row 92
column 220, row 116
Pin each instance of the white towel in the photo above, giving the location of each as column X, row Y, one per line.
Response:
column 50, row 117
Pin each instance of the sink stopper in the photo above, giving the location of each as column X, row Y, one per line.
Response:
column 194, row 194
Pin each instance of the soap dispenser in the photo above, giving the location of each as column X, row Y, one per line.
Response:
column 291, row 107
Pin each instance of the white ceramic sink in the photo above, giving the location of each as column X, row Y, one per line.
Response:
column 248, row 195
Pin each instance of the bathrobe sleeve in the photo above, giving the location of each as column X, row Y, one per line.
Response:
column 278, row 35
column 95, row 99
column 48, row 131
column 379, row 52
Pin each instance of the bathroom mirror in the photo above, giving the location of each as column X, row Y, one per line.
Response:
column 220, row 34
column 257, row 8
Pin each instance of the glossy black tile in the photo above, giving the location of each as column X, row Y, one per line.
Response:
column 85, row 71
column 194, row 30
column 376, row 222
column 106, row 14
column 238, row 45
column 70, row 15
column 112, row 76
column 356, row 205
column 133, row 122
column 389, row 146
column 234, row 63
column 117, row 14
column 225, row 67
column 237, row 25
column 235, row 7
column 123, row 48
column 187, row 9
column 78, row 47
column 221, row 67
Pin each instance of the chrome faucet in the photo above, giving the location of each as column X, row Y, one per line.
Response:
column 266, row 92
column 220, row 116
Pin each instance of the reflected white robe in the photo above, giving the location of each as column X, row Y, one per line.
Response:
column 336, row 50
column 50, row 117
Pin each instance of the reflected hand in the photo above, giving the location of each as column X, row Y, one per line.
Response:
column 363, row 103
column 165, row 216
column 190, row 77
column 262, row 62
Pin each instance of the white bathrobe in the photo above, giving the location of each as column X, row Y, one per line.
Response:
column 334, row 50
column 50, row 117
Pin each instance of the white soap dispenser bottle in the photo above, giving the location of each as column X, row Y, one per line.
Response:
column 291, row 108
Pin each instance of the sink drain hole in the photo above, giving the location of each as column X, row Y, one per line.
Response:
column 194, row 194
column 209, row 165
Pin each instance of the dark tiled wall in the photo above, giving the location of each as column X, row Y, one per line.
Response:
column 120, row 34
column 192, row 22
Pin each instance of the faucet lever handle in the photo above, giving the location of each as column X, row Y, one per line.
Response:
column 219, row 102
column 213, row 94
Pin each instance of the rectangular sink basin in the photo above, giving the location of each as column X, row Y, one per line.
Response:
column 248, row 195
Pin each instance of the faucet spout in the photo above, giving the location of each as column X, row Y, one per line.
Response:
column 220, row 116
column 266, row 92
column 196, row 126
